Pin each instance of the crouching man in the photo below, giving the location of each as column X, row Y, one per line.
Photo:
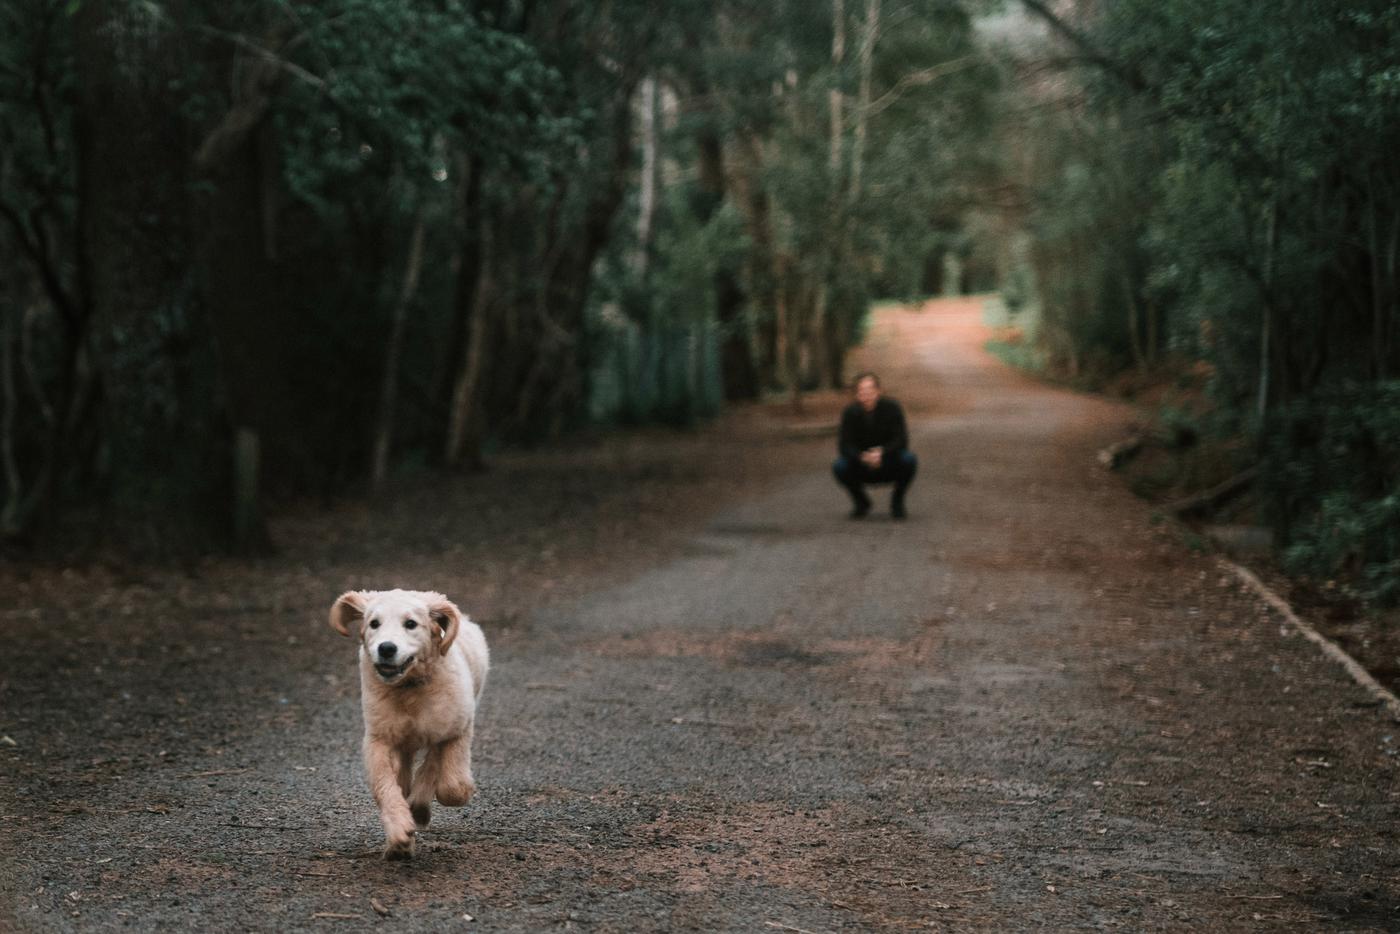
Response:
column 874, row 447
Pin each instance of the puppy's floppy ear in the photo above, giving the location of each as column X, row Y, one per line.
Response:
column 347, row 611
column 445, row 614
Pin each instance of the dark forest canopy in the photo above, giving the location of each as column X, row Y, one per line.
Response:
column 255, row 250
column 284, row 246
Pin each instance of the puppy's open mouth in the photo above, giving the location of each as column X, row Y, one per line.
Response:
column 390, row 672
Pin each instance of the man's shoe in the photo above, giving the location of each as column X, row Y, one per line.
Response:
column 897, row 509
column 860, row 510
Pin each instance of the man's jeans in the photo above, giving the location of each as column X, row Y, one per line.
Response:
column 853, row 475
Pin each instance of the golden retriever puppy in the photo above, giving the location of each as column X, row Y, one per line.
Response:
column 422, row 667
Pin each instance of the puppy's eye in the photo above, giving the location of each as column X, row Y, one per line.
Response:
column 374, row 624
column 411, row 624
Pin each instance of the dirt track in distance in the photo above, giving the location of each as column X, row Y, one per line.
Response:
column 716, row 703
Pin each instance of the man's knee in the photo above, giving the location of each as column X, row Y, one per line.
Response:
column 908, row 464
column 842, row 469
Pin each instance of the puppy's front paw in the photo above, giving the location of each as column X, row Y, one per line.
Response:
column 456, row 793
column 398, row 836
column 422, row 813
column 400, row 848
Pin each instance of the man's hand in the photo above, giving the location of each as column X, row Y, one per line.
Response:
column 872, row 458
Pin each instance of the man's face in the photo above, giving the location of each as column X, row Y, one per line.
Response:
column 868, row 393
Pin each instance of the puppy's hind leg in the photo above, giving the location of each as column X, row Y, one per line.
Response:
column 455, row 785
column 420, row 798
column 382, row 765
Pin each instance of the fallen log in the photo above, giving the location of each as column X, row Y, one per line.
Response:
column 1208, row 501
column 1120, row 452
column 1241, row 541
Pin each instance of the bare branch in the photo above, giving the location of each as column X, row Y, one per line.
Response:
column 257, row 92
column 1092, row 53
column 270, row 56
column 231, row 131
column 917, row 79
column 33, row 244
column 26, row 358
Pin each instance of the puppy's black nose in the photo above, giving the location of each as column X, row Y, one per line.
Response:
column 387, row 649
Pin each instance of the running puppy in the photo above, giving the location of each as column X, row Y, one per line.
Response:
column 422, row 667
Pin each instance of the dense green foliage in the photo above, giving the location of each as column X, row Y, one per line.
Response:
column 276, row 247
column 1218, row 183
column 1345, row 442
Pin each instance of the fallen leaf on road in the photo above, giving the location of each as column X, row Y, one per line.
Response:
column 379, row 908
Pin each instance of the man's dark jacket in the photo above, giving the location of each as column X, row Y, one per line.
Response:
column 883, row 428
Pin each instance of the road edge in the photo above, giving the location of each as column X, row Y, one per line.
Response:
column 1359, row 674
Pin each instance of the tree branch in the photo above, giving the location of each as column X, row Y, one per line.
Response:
column 1092, row 53
column 268, row 55
column 257, row 92
column 34, row 246
column 917, row 79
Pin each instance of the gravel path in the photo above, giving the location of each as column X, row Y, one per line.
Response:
column 717, row 704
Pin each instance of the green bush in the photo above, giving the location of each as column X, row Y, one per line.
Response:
column 1331, row 477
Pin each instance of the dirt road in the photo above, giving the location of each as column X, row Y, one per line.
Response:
column 717, row 704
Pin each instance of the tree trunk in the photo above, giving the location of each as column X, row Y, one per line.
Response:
column 464, row 418
column 736, row 352
column 389, row 385
column 1134, row 329
column 463, row 265
column 1380, row 358
column 1154, row 337
column 14, row 486
column 646, row 212
column 835, row 97
column 249, row 532
column 835, row 342
column 781, row 321
column 745, row 170
column 822, row 330
column 866, row 59
column 567, row 274
column 167, row 463
column 1267, row 335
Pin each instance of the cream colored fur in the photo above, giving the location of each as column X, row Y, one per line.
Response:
column 421, row 700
